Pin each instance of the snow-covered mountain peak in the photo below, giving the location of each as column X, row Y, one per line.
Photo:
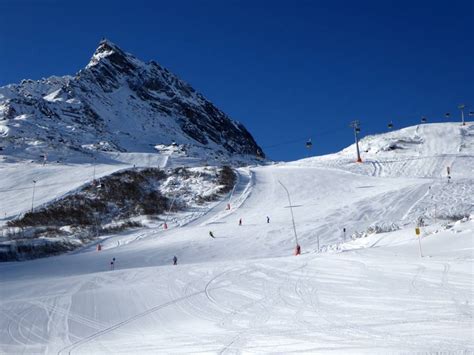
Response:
column 109, row 51
column 122, row 102
column 105, row 49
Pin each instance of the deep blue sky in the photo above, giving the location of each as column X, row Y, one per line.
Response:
column 288, row 70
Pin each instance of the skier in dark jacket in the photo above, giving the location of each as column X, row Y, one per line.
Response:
column 268, row 219
column 175, row 260
column 211, row 234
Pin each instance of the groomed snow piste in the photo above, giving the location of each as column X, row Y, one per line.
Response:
column 244, row 291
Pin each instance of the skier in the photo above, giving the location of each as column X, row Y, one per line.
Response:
column 268, row 219
column 211, row 234
column 112, row 264
column 297, row 249
column 240, row 222
column 175, row 260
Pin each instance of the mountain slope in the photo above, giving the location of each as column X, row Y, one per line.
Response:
column 243, row 291
column 116, row 103
column 417, row 151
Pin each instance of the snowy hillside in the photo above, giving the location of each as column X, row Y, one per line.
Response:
column 360, row 285
column 418, row 151
column 130, row 198
column 116, row 103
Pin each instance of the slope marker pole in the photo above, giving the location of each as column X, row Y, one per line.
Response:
column 297, row 247
column 418, row 234
column 33, row 196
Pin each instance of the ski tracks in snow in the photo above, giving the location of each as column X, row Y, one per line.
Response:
column 174, row 301
column 76, row 345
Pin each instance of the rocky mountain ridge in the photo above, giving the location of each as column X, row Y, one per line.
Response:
column 116, row 103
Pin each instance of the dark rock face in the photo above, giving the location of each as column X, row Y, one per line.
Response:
column 119, row 100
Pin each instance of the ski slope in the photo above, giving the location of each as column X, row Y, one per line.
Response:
column 244, row 292
column 418, row 151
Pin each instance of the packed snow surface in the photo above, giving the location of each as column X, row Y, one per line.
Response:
column 243, row 291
